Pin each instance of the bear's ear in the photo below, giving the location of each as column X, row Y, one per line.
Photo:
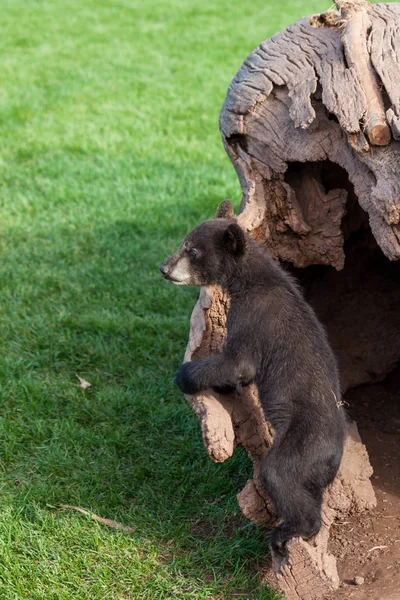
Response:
column 225, row 210
column 234, row 240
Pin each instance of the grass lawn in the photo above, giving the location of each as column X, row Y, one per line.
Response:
column 110, row 152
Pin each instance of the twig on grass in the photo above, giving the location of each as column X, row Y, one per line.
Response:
column 107, row 522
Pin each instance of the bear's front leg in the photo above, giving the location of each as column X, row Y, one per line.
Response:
column 217, row 372
column 197, row 375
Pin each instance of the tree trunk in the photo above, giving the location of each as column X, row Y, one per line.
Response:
column 311, row 123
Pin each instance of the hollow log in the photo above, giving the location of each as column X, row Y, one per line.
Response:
column 311, row 123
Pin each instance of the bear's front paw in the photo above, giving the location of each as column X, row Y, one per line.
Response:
column 185, row 380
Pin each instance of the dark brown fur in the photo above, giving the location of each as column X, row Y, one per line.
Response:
column 275, row 339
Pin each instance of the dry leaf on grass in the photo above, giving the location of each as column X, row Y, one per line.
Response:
column 85, row 385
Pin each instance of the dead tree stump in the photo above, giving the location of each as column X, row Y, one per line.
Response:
column 311, row 123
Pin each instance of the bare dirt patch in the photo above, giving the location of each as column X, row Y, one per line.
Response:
column 368, row 546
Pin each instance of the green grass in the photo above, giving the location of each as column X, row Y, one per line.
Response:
column 110, row 153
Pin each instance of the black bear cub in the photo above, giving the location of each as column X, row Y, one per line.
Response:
column 274, row 339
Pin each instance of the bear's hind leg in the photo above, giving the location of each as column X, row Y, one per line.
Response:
column 299, row 509
column 304, row 526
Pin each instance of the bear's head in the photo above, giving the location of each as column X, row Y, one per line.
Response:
column 210, row 252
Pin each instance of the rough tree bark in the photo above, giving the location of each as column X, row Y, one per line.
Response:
column 311, row 123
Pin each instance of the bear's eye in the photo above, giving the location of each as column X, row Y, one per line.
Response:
column 193, row 253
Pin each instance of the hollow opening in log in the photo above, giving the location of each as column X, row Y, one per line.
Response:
column 329, row 176
column 359, row 305
column 360, row 309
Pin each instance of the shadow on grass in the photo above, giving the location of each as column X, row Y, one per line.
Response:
column 92, row 303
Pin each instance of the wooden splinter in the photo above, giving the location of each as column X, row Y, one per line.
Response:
column 354, row 38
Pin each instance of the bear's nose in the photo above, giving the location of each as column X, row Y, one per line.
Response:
column 164, row 269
